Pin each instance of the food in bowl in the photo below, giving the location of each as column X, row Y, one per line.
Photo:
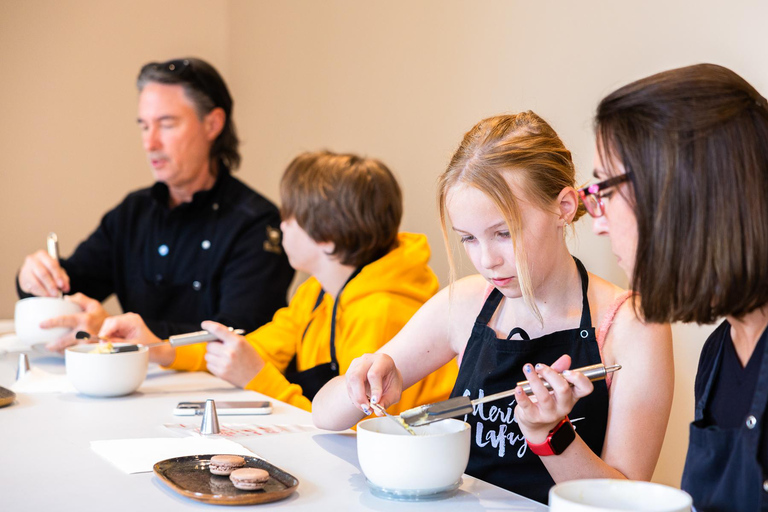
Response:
column 396, row 462
column 105, row 375
column 606, row 494
column 225, row 464
column 29, row 313
column 249, row 479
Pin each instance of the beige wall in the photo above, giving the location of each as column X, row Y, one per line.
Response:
column 400, row 80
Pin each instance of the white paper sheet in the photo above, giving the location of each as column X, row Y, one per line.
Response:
column 37, row 380
column 140, row 455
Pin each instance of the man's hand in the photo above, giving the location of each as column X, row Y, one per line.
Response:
column 130, row 328
column 89, row 320
column 42, row 276
column 234, row 359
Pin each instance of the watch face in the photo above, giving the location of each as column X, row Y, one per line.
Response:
column 562, row 438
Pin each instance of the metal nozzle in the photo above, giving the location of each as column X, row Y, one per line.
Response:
column 210, row 423
column 23, row 368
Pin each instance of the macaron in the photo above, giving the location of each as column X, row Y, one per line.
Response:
column 249, row 479
column 225, row 464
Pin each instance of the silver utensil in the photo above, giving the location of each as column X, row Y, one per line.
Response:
column 210, row 423
column 461, row 405
column 177, row 340
column 397, row 419
column 52, row 244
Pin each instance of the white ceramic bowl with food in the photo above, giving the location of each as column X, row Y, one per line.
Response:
column 600, row 495
column 397, row 462
column 105, row 375
column 30, row 312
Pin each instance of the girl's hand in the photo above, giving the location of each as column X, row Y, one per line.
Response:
column 374, row 376
column 537, row 418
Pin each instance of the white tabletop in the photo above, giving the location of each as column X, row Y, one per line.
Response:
column 46, row 462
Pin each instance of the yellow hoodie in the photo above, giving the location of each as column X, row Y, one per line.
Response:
column 374, row 306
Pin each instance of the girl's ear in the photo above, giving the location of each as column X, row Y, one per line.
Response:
column 568, row 203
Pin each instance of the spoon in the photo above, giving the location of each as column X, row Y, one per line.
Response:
column 178, row 340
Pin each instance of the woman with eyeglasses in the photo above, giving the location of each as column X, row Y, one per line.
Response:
column 684, row 159
column 508, row 195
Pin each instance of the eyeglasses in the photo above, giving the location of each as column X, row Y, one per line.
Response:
column 592, row 195
column 184, row 69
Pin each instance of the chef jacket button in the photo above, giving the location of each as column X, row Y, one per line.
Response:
column 196, row 285
column 765, row 486
column 163, row 250
column 751, row 422
column 584, row 333
column 215, row 206
column 206, row 245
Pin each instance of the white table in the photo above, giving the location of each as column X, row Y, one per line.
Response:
column 46, row 462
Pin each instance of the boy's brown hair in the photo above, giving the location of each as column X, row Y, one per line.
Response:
column 351, row 201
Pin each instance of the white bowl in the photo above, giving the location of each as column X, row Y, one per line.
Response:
column 105, row 375
column 605, row 494
column 395, row 461
column 30, row 312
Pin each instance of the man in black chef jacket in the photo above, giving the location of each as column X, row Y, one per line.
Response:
column 199, row 244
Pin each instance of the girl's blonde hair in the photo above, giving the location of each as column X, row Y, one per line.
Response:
column 524, row 148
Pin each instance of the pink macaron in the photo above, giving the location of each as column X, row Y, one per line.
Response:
column 249, row 479
column 225, row 464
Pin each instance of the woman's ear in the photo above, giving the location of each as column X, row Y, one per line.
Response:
column 214, row 122
column 568, row 203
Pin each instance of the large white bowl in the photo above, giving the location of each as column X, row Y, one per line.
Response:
column 105, row 375
column 395, row 461
column 605, row 494
column 30, row 312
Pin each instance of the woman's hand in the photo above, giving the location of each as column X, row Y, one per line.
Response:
column 374, row 376
column 234, row 359
column 537, row 418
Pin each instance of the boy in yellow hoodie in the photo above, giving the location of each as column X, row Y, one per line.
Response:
column 341, row 215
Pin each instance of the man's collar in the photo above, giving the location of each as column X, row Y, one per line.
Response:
column 160, row 193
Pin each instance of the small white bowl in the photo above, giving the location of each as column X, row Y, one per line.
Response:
column 606, row 494
column 30, row 312
column 397, row 462
column 106, row 375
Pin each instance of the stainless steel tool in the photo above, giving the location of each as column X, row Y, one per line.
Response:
column 178, row 340
column 52, row 244
column 461, row 405
column 397, row 419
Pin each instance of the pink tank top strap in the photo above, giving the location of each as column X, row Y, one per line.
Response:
column 602, row 330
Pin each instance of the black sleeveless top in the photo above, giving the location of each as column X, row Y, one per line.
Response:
column 498, row 452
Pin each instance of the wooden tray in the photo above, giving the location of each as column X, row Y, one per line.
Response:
column 190, row 477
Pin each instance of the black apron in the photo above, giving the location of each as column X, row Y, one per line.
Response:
column 312, row 379
column 722, row 471
column 498, row 452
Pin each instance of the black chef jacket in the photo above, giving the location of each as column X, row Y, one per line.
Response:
column 217, row 257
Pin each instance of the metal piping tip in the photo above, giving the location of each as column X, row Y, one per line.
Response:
column 210, row 423
column 23, row 368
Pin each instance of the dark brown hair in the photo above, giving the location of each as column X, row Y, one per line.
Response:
column 351, row 201
column 521, row 145
column 206, row 90
column 696, row 142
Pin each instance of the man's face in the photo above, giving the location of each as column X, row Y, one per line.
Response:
column 177, row 142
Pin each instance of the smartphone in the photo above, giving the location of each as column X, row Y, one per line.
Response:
column 224, row 408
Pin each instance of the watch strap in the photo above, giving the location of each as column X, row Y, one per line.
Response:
column 559, row 438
